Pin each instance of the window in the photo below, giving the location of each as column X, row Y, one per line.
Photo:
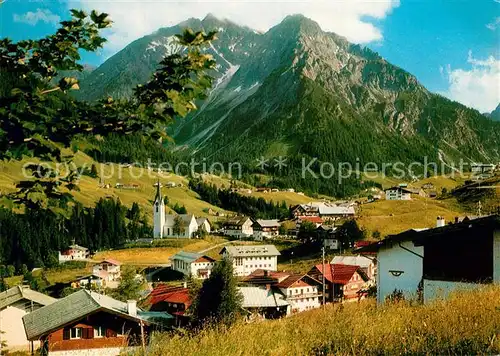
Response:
column 99, row 331
column 75, row 333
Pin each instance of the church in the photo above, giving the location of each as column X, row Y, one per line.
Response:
column 168, row 225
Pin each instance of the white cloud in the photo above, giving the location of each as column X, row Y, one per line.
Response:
column 133, row 19
column 32, row 18
column 494, row 25
column 478, row 87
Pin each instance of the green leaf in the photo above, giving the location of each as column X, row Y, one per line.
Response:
column 79, row 14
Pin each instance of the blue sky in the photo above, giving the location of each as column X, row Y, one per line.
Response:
column 452, row 46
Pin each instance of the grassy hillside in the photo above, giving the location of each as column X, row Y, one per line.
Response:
column 159, row 255
column 11, row 172
column 394, row 216
column 464, row 324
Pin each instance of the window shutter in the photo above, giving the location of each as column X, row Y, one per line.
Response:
column 90, row 333
column 66, row 335
column 108, row 333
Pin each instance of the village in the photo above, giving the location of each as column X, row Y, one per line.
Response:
column 419, row 264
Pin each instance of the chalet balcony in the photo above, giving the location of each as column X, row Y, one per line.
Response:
column 304, row 295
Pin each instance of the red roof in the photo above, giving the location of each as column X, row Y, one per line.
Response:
column 339, row 273
column 112, row 262
column 362, row 243
column 313, row 219
column 204, row 259
column 293, row 280
column 169, row 294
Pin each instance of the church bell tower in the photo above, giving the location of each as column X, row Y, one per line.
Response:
column 158, row 213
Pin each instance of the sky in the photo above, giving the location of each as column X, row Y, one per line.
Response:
column 451, row 46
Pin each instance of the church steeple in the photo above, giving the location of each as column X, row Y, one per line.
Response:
column 158, row 196
column 158, row 212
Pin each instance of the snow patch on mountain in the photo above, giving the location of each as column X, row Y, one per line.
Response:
column 168, row 44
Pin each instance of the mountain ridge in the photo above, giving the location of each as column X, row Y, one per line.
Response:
column 268, row 84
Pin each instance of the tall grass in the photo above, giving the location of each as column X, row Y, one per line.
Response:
column 466, row 323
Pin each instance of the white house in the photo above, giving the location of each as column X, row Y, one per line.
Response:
column 265, row 229
column 399, row 265
column 14, row 304
column 188, row 223
column 327, row 211
column 397, row 193
column 460, row 256
column 74, row 253
column 192, row 264
column 301, row 295
column 432, row 260
column 247, row 259
column 109, row 270
column 204, row 223
column 164, row 223
column 240, row 227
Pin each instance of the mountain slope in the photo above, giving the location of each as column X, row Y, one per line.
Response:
column 297, row 91
column 495, row 114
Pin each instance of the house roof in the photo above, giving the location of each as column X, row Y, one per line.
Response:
column 450, row 231
column 361, row 261
column 262, row 297
column 112, row 262
column 336, row 210
column 169, row 294
column 187, row 257
column 78, row 247
column 260, row 276
column 238, row 221
column 101, row 275
column 204, row 258
column 340, row 274
column 18, row 293
column 328, row 228
column 252, row 250
column 267, row 223
column 190, row 257
column 201, row 221
column 403, row 189
column 407, row 235
column 327, row 208
column 419, row 236
column 294, row 280
column 186, row 218
column 72, row 308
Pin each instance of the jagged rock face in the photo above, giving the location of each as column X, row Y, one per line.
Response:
column 495, row 114
column 298, row 90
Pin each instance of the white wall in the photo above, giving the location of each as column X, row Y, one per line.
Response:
column 195, row 266
column 243, row 266
column 12, row 324
column 302, row 298
column 441, row 289
column 396, row 258
column 159, row 220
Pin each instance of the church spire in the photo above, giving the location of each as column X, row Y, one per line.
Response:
column 158, row 197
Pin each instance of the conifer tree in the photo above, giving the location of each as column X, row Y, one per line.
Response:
column 219, row 300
